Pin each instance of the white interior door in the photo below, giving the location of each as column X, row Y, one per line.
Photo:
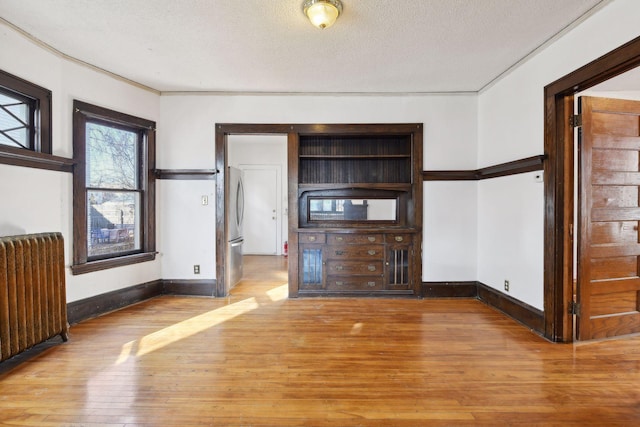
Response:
column 261, row 214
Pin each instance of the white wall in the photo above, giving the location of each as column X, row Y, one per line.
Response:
column 186, row 141
column 188, row 228
column 503, row 240
column 510, row 210
column 511, row 127
column 38, row 201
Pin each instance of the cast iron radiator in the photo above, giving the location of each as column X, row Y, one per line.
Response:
column 33, row 304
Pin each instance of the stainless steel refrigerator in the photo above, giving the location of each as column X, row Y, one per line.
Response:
column 235, row 215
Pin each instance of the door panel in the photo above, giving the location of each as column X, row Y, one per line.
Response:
column 617, row 196
column 614, row 268
column 261, row 210
column 608, row 218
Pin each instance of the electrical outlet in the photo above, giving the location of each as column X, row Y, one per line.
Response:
column 506, row 285
column 196, row 269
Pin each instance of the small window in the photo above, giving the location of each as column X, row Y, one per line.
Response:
column 113, row 189
column 25, row 115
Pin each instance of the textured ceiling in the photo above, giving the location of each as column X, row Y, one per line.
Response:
column 376, row 46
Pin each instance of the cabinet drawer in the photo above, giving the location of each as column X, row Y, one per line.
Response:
column 373, row 252
column 311, row 238
column 354, row 267
column 358, row 239
column 398, row 238
column 337, row 283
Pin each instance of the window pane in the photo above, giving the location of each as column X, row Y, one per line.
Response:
column 14, row 122
column 112, row 157
column 113, row 222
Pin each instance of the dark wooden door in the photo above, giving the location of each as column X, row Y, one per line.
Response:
column 608, row 218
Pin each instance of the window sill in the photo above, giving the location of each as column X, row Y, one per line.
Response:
column 104, row 264
column 32, row 159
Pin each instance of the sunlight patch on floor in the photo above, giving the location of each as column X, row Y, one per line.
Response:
column 278, row 293
column 187, row 328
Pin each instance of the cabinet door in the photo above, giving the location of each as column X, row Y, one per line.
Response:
column 312, row 271
column 398, row 267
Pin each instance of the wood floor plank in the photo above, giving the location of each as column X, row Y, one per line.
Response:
column 257, row 358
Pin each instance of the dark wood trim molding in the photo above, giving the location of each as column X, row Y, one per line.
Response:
column 471, row 175
column 204, row 288
column 33, row 159
column 186, row 174
column 95, row 306
column 558, row 196
column 529, row 316
column 91, row 266
column 529, row 164
column 450, row 289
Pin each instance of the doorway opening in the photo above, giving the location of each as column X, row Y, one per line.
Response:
column 225, row 134
column 559, row 185
column 262, row 160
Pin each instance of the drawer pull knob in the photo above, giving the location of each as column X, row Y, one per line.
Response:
column 339, row 238
column 372, row 239
column 312, row 238
column 339, row 283
column 339, row 267
column 371, row 252
column 399, row 238
column 371, row 284
column 371, row 268
column 339, row 252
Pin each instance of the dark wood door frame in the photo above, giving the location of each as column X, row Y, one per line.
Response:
column 558, row 190
column 221, row 150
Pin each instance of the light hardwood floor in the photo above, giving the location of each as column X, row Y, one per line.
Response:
column 257, row 358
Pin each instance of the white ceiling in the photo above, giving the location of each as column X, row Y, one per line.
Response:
column 376, row 46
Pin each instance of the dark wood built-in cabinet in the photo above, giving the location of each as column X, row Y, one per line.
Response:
column 356, row 191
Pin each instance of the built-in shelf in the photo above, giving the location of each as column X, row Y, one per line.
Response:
column 358, row 212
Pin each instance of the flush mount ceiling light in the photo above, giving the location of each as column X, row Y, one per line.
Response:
column 322, row 13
